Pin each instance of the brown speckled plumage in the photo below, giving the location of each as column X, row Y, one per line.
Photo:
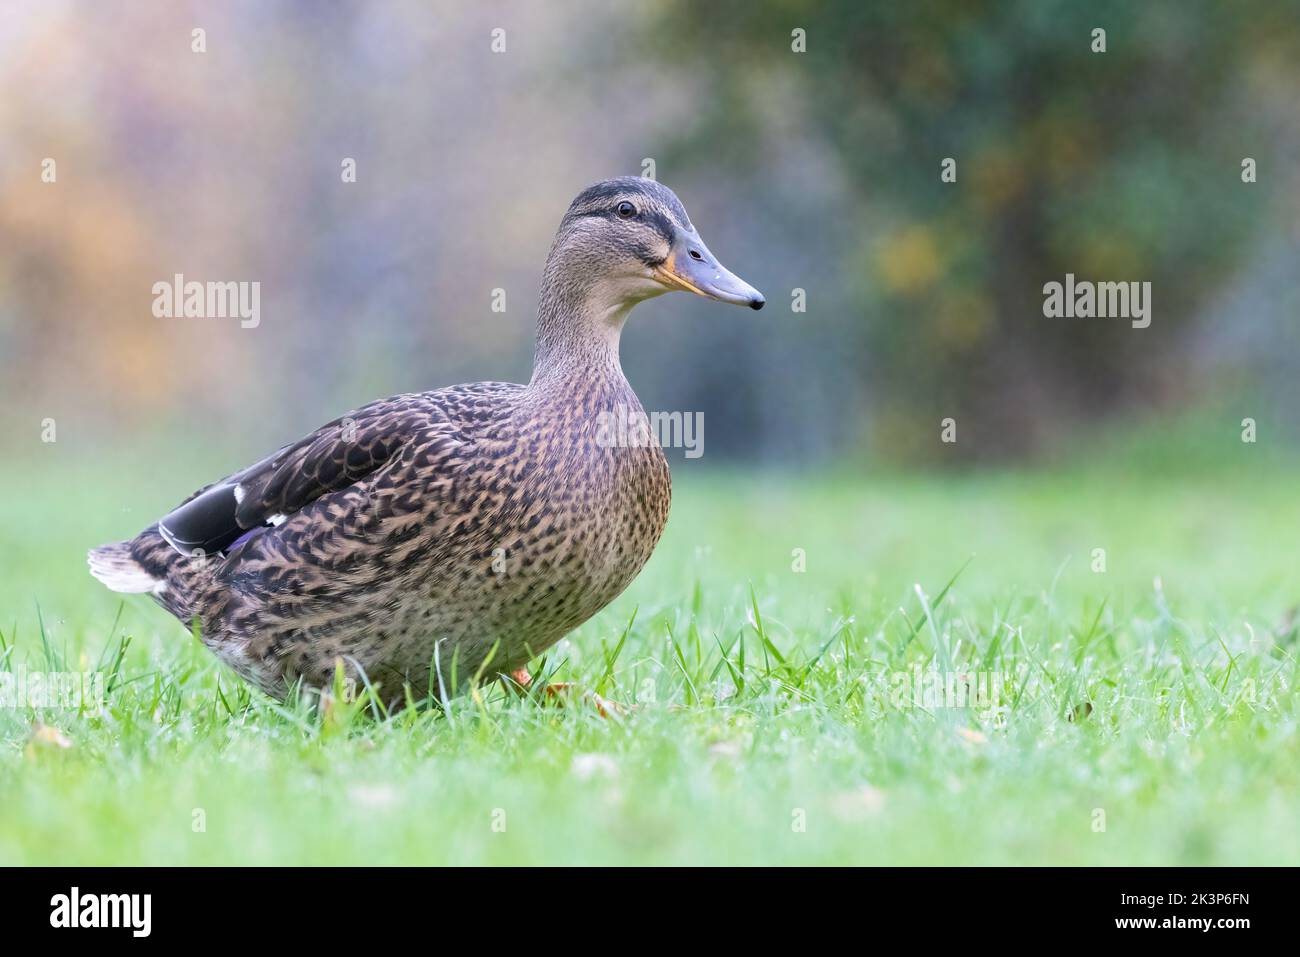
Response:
column 474, row 525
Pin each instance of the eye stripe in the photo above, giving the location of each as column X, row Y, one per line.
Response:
column 632, row 188
column 662, row 224
column 654, row 218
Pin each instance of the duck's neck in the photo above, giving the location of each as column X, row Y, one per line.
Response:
column 579, row 324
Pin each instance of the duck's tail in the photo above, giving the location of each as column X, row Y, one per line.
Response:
column 145, row 564
column 117, row 569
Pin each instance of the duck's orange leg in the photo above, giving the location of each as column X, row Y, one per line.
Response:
column 561, row 693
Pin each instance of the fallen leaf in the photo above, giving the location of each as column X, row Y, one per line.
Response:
column 864, row 801
column 725, row 749
column 587, row 766
column 377, row 796
column 45, row 737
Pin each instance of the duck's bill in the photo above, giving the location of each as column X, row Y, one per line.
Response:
column 690, row 266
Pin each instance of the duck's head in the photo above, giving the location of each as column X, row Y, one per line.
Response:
column 628, row 239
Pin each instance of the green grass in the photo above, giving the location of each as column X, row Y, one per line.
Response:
column 764, row 693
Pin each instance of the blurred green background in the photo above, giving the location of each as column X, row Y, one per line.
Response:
column 816, row 171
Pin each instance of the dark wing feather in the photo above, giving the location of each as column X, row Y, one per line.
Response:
column 333, row 457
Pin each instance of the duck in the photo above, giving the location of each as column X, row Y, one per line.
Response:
column 424, row 541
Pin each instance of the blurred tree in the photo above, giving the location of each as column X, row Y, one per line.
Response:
column 1115, row 165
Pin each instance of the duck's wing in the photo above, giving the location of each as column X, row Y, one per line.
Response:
column 338, row 454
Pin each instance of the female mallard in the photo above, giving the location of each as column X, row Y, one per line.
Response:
column 446, row 533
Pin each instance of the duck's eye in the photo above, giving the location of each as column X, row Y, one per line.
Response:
column 625, row 209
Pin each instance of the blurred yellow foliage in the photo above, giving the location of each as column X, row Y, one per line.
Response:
column 909, row 261
column 964, row 318
column 1111, row 256
column 1066, row 143
column 998, row 176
